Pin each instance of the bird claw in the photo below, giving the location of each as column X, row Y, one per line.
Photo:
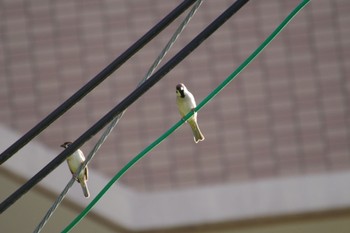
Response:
column 75, row 177
column 192, row 110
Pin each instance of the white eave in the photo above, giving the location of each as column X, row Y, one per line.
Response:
column 198, row 205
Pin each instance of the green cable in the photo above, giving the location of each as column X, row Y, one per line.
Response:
column 179, row 123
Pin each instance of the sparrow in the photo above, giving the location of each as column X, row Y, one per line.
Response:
column 186, row 103
column 74, row 161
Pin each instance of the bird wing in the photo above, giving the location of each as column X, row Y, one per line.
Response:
column 71, row 171
column 86, row 173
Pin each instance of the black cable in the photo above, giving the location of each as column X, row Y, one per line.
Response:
column 100, row 77
column 131, row 98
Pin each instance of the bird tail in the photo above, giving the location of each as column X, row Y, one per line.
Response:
column 197, row 134
column 85, row 188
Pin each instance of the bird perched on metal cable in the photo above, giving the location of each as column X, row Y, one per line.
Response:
column 74, row 161
column 186, row 103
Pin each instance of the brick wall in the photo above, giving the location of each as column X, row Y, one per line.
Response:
column 286, row 114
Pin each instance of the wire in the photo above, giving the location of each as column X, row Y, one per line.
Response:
column 211, row 95
column 98, row 125
column 72, row 180
column 125, row 103
column 172, row 41
column 100, row 77
column 117, row 118
column 54, row 206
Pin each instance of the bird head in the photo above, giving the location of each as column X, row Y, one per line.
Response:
column 66, row 144
column 180, row 90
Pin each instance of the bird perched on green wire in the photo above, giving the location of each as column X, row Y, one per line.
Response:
column 74, row 161
column 186, row 103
